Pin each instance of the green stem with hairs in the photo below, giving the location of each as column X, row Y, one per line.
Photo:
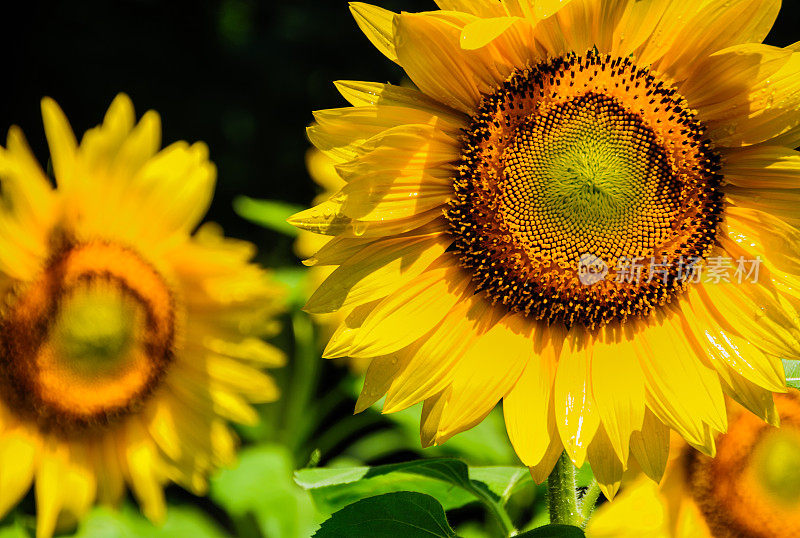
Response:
column 562, row 496
column 588, row 502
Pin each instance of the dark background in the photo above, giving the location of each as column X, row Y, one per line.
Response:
column 241, row 75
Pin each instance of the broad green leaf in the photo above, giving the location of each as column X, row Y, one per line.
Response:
column 330, row 499
column 445, row 469
column 182, row 520
column 405, row 513
column 792, row 373
column 554, row 531
column 261, row 487
column 270, row 214
column 333, row 489
column 501, row 481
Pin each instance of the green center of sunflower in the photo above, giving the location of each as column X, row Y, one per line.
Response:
column 577, row 178
column 88, row 340
column 777, row 465
column 95, row 329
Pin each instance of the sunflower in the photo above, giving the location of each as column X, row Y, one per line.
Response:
column 751, row 489
column 586, row 210
column 127, row 341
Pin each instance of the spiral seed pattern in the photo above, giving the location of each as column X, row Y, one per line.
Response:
column 583, row 155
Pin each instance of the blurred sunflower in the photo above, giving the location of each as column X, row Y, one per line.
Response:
column 127, row 342
column 489, row 239
column 750, row 490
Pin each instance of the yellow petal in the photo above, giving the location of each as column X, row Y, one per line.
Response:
column 431, row 414
column 376, row 23
column 341, row 133
column 718, row 24
column 50, row 474
column 432, row 363
column 575, row 410
column 671, row 17
column 481, row 32
column 342, row 339
column 773, row 167
column 406, row 196
column 143, row 467
column 542, row 470
column 637, row 25
column 650, row 446
column 637, row 513
column 377, row 270
column 606, row 466
column 110, row 480
column 473, row 7
column 60, row 138
column 17, row 460
column 380, row 373
column 527, row 407
column 428, row 46
column 411, row 311
column 737, row 354
column 376, row 93
column 769, row 325
column 618, row 388
column 479, row 384
column 766, row 111
column 740, row 67
column 680, row 390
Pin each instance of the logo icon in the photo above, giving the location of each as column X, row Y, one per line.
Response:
column 591, row 269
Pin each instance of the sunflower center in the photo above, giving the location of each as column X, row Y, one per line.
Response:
column 777, row 465
column 578, row 177
column 89, row 339
column 752, row 488
column 95, row 329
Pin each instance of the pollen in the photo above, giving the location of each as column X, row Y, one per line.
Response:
column 584, row 157
column 89, row 339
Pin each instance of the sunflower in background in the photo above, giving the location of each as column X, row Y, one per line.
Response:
column 751, row 489
column 128, row 342
column 641, row 144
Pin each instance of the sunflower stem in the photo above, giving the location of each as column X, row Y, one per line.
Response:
column 562, row 496
column 588, row 502
column 496, row 508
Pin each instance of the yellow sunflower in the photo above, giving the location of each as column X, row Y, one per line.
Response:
column 126, row 341
column 587, row 210
column 750, row 490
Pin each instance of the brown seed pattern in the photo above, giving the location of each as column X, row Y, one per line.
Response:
column 584, row 155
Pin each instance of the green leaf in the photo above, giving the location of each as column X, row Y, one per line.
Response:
column 554, row 531
column 270, row 214
column 334, row 488
column 330, row 499
column 405, row 513
column 792, row 373
column 446, row 469
column 501, row 481
column 260, row 487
